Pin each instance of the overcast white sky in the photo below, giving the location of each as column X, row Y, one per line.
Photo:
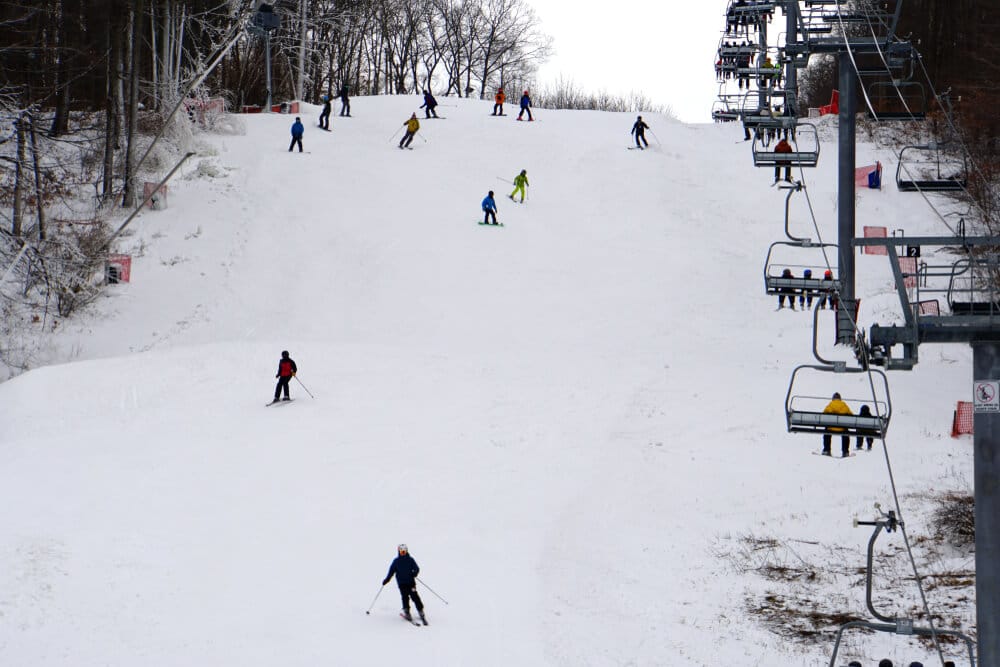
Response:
column 663, row 48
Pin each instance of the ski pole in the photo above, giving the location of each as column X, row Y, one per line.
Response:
column 657, row 138
column 394, row 135
column 376, row 598
column 432, row 591
column 422, row 137
column 304, row 387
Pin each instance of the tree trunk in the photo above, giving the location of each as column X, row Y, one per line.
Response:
column 113, row 44
column 19, row 172
column 39, row 198
column 129, row 196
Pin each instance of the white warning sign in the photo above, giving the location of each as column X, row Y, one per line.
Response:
column 986, row 395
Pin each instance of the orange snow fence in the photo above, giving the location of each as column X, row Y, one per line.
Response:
column 875, row 233
column 962, row 421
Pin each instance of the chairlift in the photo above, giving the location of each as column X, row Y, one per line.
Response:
column 928, row 168
column 892, row 623
column 971, row 287
column 757, row 113
column 722, row 112
column 897, row 100
column 775, row 265
column 805, row 151
column 804, row 412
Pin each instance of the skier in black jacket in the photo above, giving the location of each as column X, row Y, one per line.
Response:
column 345, row 100
column 639, row 130
column 286, row 371
column 406, row 571
column 324, row 116
column 429, row 105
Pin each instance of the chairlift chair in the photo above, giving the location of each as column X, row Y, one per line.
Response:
column 775, row 284
column 804, row 413
column 897, row 100
column 805, row 153
column 971, row 287
column 723, row 113
column 927, row 168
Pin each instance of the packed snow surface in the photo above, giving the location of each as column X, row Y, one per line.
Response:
column 562, row 418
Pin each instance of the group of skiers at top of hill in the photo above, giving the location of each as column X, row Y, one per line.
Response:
column 430, row 105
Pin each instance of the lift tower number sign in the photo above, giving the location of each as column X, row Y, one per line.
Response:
column 986, row 396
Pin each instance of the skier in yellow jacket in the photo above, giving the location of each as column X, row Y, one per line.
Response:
column 412, row 126
column 520, row 181
column 837, row 407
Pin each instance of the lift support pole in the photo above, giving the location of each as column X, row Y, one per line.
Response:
column 986, row 373
column 845, row 197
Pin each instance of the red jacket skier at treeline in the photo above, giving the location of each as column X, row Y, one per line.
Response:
column 286, row 371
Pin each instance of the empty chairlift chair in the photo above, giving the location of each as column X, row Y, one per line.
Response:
column 930, row 169
column 897, row 100
column 972, row 289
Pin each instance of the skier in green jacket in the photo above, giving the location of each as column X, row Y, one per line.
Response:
column 520, row 181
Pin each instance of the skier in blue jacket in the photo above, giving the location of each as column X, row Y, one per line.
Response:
column 489, row 209
column 406, row 571
column 297, row 130
column 525, row 106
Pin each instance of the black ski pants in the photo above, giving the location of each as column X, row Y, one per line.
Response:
column 295, row 140
column 345, row 108
column 407, row 138
column 497, row 109
column 641, row 135
column 282, row 384
column 523, row 109
column 487, row 214
column 406, row 592
column 845, row 444
column 324, row 119
column 430, row 111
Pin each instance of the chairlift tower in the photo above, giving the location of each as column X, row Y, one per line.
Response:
column 972, row 295
column 265, row 21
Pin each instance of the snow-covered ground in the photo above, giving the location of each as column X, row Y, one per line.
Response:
column 564, row 418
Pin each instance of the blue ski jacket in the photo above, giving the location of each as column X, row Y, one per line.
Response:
column 525, row 101
column 405, row 569
column 489, row 204
column 298, row 128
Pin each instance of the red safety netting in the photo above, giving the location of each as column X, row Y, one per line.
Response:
column 962, row 422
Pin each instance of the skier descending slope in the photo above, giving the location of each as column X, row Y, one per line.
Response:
column 406, row 570
column 286, row 371
column 639, row 130
column 489, row 209
column 525, row 106
column 520, row 181
column 412, row 125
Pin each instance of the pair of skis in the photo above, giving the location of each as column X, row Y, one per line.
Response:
column 422, row 621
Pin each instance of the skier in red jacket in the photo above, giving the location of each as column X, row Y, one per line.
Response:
column 286, row 371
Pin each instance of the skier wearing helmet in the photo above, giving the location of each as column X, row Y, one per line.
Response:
column 286, row 371
column 525, row 106
column 406, row 571
column 639, row 130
